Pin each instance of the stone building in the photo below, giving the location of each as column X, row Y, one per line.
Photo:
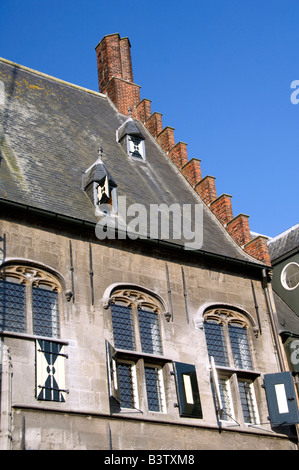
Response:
column 136, row 311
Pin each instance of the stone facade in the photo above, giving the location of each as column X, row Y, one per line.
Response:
column 84, row 420
column 105, row 342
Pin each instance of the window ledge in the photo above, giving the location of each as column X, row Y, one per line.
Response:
column 142, row 355
column 25, row 336
column 231, row 370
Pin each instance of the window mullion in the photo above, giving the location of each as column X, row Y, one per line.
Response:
column 28, row 311
column 228, row 344
column 136, row 328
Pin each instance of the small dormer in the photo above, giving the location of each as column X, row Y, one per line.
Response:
column 131, row 139
column 99, row 185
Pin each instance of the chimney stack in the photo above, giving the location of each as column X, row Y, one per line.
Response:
column 115, row 73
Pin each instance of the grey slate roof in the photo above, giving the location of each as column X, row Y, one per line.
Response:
column 284, row 243
column 288, row 321
column 50, row 132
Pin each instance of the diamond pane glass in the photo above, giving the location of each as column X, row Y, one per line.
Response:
column 122, row 327
column 240, row 347
column 126, row 385
column 149, row 332
column 12, row 307
column 216, row 342
column 153, row 388
column 45, row 312
column 247, row 402
column 226, row 400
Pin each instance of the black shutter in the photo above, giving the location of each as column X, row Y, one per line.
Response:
column 187, row 390
column 112, row 372
column 281, row 399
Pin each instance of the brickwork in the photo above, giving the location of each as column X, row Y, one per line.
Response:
column 124, row 95
column 115, row 73
column 143, row 110
column 154, row 124
column 206, row 188
column 192, row 171
column 166, row 139
column 116, row 79
column 238, row 228
column 222, row 208
column 258, row 249
column 178, row 154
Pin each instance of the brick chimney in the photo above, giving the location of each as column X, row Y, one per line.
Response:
column 115, row 73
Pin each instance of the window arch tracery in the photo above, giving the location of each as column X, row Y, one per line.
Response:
column 29, row 300
column 229, row 345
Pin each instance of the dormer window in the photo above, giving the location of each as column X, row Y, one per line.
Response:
column 131, row 139
column 135, row 147
column 100, row 186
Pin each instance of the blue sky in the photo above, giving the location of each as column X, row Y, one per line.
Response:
column 219, row 71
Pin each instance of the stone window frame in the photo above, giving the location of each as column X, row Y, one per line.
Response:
column 35, row 275
column 231, row 375
column 137, row 296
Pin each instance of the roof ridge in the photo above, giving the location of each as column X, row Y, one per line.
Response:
column 50, row 77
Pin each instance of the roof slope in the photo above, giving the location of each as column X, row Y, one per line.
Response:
column 50, row 132
column 284, row 243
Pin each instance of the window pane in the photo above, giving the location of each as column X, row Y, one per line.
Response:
column 12, row 307
column 149, row 332
column 126, row 385
column 45, row 312
column 215, row 342
column 122, row 327
column 224, row 388
column 240, row 347
column 153, row 388
column 247, row 402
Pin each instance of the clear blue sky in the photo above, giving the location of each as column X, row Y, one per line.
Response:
column 219, row 71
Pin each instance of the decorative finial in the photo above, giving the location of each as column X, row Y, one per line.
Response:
column 100, row 152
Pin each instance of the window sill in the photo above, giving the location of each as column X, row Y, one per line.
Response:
column 28, row 337
column 140, row 355
column 239, row 372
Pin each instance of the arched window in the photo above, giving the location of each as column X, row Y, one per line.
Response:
column 29, row 301
column 136, row 321
column 136, row 359
column 228, row 336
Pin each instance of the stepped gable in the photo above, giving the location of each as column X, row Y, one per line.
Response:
column 115, row 66
column 50, row 134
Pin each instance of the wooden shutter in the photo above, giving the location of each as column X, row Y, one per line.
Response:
column 112, row 372
column 50, row 371
column 187, row 390
column 281, row 399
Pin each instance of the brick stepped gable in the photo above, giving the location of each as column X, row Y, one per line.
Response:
column 116, row 80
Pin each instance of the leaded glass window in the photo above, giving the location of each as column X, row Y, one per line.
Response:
column 153, row 388
column 225, row 393
column 127, row 386
column 122, row 327
column 136, row 324
column 240, row 346
column 248, row 402
column 228, row 344
column 12, row 306
column 149, row 332
column 45, row 312
column 216, row 342
column 29, row 301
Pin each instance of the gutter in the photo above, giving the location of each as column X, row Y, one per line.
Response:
column 160, row 243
